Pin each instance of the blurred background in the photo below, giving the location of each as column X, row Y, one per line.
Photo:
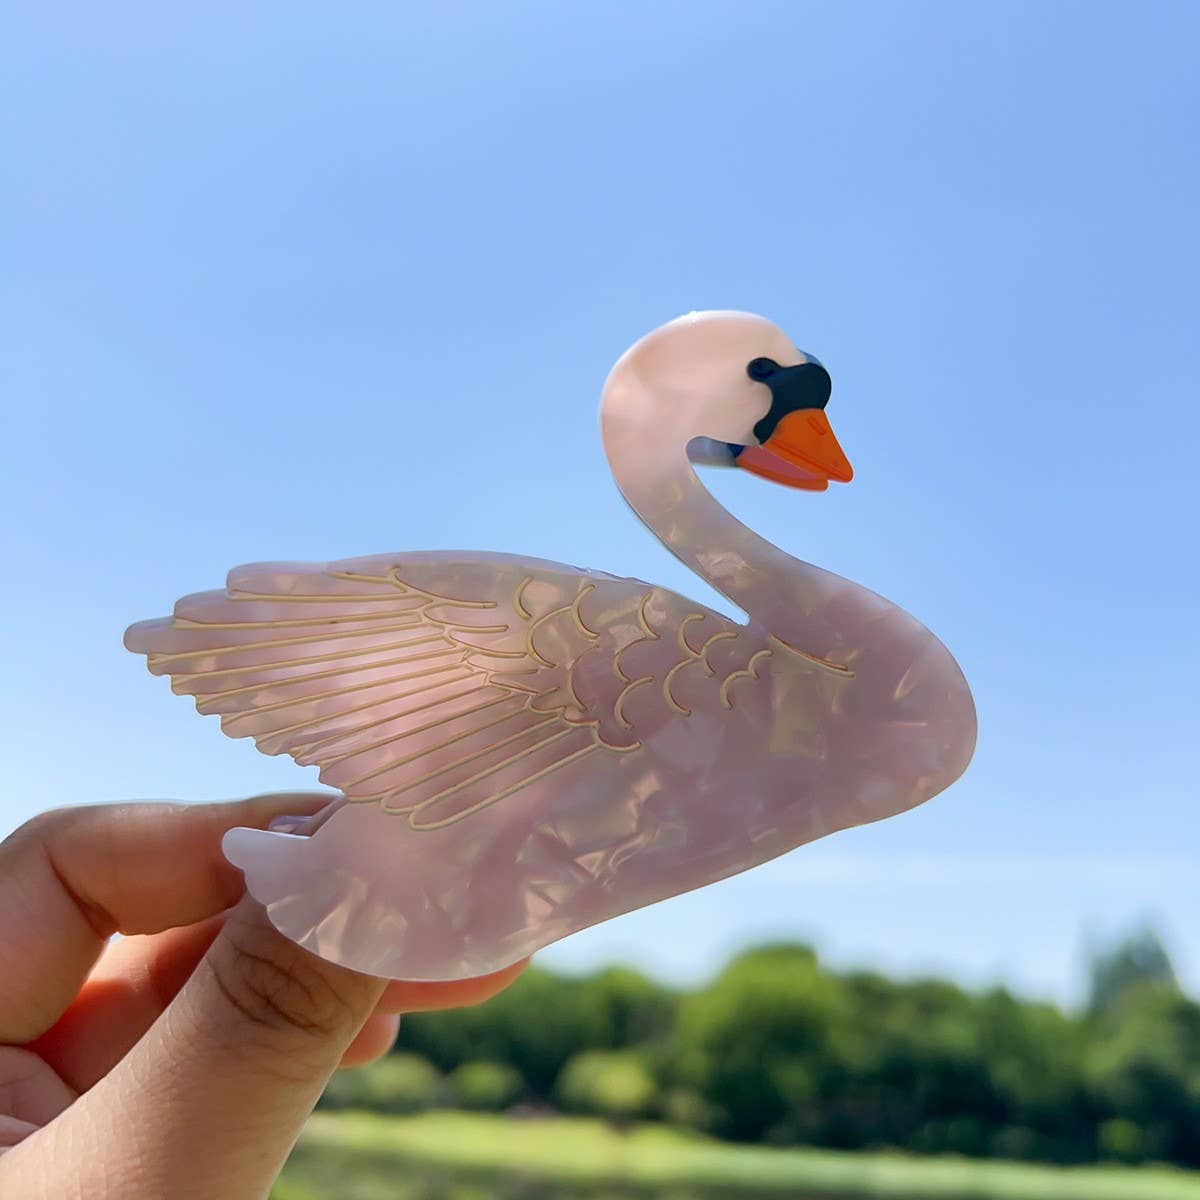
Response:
column 305, row 282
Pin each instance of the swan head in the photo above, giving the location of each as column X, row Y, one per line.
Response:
column 726, row 389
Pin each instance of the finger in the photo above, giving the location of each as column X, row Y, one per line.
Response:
column 379, row 1033
column 306, row 824
column 29, row 1089
column 71, row 878
column 234, row 1065
column 403, row 997
column 135, row 979
column 374, row 1039
column 13, row 1130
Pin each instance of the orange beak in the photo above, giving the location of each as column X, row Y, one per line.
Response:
column 802, row 453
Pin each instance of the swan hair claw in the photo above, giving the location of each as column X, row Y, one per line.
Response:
column 527, row 749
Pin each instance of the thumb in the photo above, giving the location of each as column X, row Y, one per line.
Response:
column 212, row 1099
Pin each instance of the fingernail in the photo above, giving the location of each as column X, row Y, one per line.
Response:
column 13, row 1131
column 286, row 824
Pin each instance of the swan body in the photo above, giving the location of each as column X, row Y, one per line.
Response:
column 526, row 748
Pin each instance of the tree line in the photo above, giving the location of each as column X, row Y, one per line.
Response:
column 781, row 1050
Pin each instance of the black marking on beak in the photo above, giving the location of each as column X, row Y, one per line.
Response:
column 806, row 385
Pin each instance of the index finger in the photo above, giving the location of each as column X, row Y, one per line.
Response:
column 71, row 878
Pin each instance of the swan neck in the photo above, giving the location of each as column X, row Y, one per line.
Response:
column 690, row 522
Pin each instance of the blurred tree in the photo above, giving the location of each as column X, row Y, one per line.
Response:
column 908, row 1068
column 636, row 1010
column 682, row 1106
column 778, row 1049
column 534, row 1026
column 612, row 1084
column 1144, row 1067
column 1122, row 1140
column 754, row 1043
column 542, row 1020
column 1139, row 957
column 398, row 1083
column 486, row 1086
column 1035, row 1062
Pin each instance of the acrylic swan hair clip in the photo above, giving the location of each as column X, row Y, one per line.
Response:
column 528, row 749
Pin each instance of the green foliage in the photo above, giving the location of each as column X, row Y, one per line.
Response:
column 399, row 1083
column 779, row 1050
column 753, row 1044
column 1122, row 1140
column 1144, row 1069
column 635, row 1010
column 542, row 1021
column 688, row 1110
column 486, row 1086
column 614, row 1084
column 1133, row 960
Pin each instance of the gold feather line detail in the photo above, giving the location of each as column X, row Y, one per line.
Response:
column 231, row 718
column 409, row 784
column 619, row 703
column 836, row 668
column 445, row 719
column 333, row 656
column 518, row 602
column 508, row 791
column 210, row 697
column 505, row 762
column 748, row 672
column 337, row 672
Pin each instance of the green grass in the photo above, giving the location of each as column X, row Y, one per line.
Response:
column 460, row 1156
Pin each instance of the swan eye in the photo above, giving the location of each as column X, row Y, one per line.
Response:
column 761, row 368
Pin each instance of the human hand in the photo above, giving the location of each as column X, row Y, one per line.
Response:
column 181, row 1060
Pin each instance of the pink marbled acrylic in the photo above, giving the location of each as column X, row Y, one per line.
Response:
column 528, row 749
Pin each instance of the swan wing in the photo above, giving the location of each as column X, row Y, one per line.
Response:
column 438, row 683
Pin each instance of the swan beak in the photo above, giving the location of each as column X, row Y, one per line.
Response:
column 802, row 452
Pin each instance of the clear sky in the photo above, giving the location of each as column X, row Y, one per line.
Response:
column 297, row 281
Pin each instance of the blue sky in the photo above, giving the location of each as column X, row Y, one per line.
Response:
column 306, row 281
